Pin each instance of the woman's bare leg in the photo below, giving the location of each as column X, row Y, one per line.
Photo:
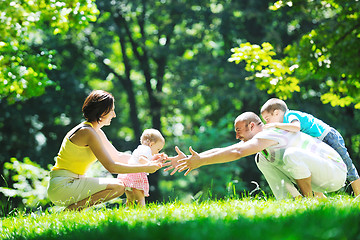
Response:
column 112, row 191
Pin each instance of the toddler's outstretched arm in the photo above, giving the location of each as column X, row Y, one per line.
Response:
column 143, row 160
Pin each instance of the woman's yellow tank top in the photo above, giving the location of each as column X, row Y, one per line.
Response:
column 74, row 158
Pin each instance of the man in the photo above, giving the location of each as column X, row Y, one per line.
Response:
column 284, row 158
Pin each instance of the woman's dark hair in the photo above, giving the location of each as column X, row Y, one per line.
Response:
column 97, row 104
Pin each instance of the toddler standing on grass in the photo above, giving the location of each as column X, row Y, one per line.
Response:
column 137, row 184
column 276, row 114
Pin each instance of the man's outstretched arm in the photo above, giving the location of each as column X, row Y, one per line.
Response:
column 223, row 155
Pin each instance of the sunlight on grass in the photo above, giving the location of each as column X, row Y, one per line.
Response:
column 211, row 219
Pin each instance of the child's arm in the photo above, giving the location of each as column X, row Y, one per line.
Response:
column 294, row 126
column 143, row 160
column 159, row 157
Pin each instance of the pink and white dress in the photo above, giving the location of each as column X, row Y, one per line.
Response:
column 137, row 180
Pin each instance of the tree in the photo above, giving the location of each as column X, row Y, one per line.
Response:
column 321, row 55
column 24, row 61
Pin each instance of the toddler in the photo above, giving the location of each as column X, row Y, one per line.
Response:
column 137, row 184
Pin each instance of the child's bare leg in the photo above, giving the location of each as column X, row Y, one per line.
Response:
column 305, row 186
column 139, row 196
column 356, row 187
column 130, row 197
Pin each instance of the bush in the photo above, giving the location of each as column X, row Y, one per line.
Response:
column 26, row 181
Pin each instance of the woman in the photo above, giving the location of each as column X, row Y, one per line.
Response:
column 81, row 147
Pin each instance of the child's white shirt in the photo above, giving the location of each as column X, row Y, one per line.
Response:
column 141, row 150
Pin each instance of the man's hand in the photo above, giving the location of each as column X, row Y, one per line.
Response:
column 173, row 161
column 189, row 163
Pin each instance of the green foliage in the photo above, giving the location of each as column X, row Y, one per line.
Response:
column 325, row 55
column 24, row 61
column 30, row 182
column 272, row 75
column 336, row 218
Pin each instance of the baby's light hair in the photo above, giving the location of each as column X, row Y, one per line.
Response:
column 274, row 104
column 151, row 135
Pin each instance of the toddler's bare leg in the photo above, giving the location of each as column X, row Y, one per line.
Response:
column 139, row 196
column 130, row 197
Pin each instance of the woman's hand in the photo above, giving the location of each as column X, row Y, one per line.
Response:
column 152, row 167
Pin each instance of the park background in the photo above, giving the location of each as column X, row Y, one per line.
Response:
column 187, row 68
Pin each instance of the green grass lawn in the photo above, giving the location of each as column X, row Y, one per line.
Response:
column 336, row 218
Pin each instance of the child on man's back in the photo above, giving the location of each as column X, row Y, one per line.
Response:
column 276, row 114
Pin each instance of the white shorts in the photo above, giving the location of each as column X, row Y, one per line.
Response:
column 66, row 187
column 326, row 174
